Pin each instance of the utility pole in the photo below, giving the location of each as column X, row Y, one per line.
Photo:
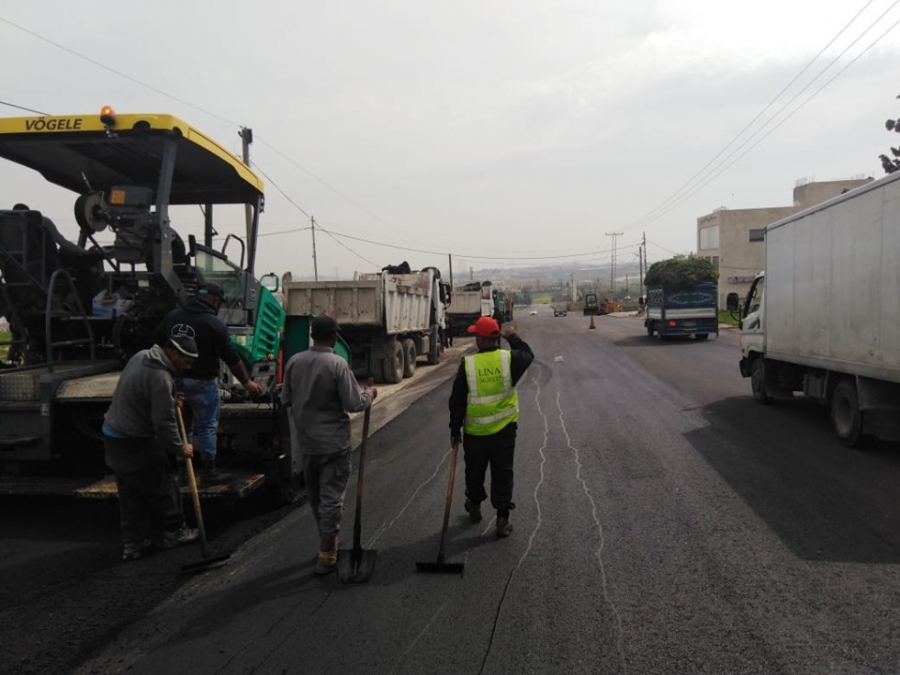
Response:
column 612, row 270
column 246, row 139
column 315, row 262
column 642, row 258
column 450, row 263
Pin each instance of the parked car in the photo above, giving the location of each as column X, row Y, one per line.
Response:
column 559, row 311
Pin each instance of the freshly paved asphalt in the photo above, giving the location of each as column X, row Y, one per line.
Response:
column 665, row 523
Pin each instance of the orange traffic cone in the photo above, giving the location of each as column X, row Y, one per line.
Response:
column 592, row 326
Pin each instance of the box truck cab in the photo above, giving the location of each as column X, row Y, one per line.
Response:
column 824, row 318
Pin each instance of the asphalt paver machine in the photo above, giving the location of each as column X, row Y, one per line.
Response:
column 78, row 310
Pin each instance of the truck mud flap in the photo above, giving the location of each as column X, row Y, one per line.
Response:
column 242, row 485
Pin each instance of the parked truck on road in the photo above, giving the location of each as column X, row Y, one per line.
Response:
column 388, row 319
column 824, row 317
column 467, row 304
column 682, row 299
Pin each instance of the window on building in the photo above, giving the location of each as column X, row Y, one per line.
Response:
column 709, row 237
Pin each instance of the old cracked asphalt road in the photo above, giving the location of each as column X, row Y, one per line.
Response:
column 665, row 523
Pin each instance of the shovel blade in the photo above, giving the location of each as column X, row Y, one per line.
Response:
column 356, row 566
column 441, row 567
column 205, row 564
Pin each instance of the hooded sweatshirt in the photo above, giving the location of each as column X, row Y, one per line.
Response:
column 143, row 404
column 199, row 320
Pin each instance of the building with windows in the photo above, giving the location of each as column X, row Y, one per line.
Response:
column 732, row 239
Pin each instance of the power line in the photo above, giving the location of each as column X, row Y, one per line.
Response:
column 680, row 195
column 283, row 194
column 116, row 72
column 334, row 236
column 719, row 171
column 659, row 207
column 21, row 107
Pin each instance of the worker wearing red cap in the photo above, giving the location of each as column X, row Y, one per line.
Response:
column 484, row 406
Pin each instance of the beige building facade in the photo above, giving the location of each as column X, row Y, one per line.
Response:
column 733, row 239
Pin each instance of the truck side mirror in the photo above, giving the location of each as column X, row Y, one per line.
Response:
column 732, row 302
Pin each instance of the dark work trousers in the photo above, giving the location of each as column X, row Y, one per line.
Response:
column 149, row 497
column 496, row 451
column 326, row 479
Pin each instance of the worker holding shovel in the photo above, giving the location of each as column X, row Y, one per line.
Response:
column 320, row 390
column 485, row 406
column 141, row 440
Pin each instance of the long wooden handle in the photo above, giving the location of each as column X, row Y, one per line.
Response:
column 360, row 484
column 192, row 481
column 453, row 450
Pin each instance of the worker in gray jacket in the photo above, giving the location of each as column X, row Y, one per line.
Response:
column 319, row 389
column 142, row 439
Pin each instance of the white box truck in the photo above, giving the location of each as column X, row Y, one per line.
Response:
column 388, row 320
column 824, row 317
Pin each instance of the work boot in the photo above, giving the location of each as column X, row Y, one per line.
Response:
column 326, row 562
column 179, row 537
column 504, row 527
column 474, row 510
column 134, row 550
column 210, row 474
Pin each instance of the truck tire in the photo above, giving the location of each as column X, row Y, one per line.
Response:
column 392, row 364
column 846, row 417
column 649, row 326
column 409, row 357
column 435, row 346
column 659, row 334
column 702, row 336
column 758, row 381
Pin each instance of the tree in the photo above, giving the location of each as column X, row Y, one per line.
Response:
column 680, row 271
column 891, row 165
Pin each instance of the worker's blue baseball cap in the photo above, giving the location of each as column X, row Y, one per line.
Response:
column 212, row 289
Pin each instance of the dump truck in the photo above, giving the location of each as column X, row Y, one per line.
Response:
column 503, row 306
column 78, row 310
column 682, row 299
column 388, row 319
column 468, row 303
column 823, row 317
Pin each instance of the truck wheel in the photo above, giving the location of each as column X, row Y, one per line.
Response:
column 758, row 381
column 392, row 364
column 659, row 333
column 409, row 357
column 846, row 417
column 435, row 346
column 649, row 326
column 702, row 336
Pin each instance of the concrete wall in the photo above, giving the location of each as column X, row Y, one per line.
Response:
column 738, row 258
column 810, row 194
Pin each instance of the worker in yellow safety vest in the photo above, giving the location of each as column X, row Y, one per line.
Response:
column 484, row 406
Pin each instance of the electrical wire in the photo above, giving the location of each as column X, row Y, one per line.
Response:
column 283, row 194
column 333, row 236
column 21, row 107
column 99, row 64
column 649, row 216
column 715, row 173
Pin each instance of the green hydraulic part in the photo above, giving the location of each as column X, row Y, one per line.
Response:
column 297, row 338
column 265, row 340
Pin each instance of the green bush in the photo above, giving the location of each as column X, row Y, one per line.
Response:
column 677, row 272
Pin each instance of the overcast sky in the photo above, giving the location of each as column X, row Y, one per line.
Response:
column 500, row 131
